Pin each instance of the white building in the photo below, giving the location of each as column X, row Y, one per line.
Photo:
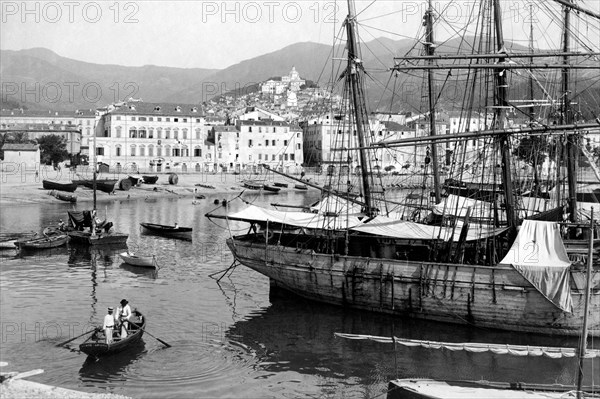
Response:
column 292, row 82
column 153, row 136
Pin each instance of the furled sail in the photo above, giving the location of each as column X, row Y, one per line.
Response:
column 539, row 255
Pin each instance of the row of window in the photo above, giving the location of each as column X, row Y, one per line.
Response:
column 158, row 119
column 159, row 134
column 282, row 157
column 273, row 143
column 160, row 152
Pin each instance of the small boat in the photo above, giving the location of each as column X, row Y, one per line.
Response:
column 301, row 187
column 136, row 180
column 137, row 260
column 253, row 185
column 9, row 240
column 62, row 196
column 52, row 185
column 107, row 186
column 80, row 223
column 282, row 185
column 96, row 345
column 168, row 231
column 272, row 189
column 53, row 241
column 432, row 389
column 150, row 179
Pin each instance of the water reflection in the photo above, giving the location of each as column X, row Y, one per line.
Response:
column 111, row 368
column 298, row 335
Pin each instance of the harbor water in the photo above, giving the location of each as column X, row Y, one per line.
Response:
column 230, row 338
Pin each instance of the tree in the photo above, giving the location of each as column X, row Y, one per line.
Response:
column 53, row 149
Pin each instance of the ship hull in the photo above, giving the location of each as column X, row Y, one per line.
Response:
column 492, row 297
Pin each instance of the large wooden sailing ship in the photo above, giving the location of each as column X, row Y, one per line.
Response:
column 465, row 262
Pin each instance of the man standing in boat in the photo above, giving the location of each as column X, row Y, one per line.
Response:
column 122, row 317
column 109, row 325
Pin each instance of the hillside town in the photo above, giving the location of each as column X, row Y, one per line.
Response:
column 286, row 125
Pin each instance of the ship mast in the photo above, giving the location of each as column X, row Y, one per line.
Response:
column 429, row 51
column 500, row 99
column 353, row 74
column 567, row 118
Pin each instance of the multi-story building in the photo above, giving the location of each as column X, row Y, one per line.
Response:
column 252, row 143
column 292, row 82
column 71, row 134
column 153, row 136
column 65, row 121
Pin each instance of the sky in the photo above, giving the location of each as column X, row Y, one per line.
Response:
column 216, row 34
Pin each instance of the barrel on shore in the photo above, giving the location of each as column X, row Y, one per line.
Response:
column 173, row 178
column 125, row 184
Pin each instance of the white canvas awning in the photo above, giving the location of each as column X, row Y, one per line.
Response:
column 539, row 255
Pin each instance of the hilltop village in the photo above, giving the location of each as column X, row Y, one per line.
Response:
column 288, row 123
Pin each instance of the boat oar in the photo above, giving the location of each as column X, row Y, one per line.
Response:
column 158, row 339
column 73, row 339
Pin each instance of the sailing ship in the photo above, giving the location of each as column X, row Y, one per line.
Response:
column 499, row 261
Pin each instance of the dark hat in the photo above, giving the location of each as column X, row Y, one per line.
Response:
column 110, row 308
column 124, row 302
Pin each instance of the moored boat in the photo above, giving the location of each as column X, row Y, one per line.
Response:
column 279, row 184
column 272, row 189
column 253, row 185
column 138, row 260
column 52, row 185
column 107, row 185
column 96, row 345
column 53, row 241
column 80, row 230
column 300, row 187
column 175, row 231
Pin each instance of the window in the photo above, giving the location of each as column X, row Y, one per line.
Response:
column 142, row 151
column 118, row 117
column 150, row 150
column 118, row 150
column 151, row 118
column 167, row 134
column 273, row 157
column 298, row 135
column 150, row 133
column 250, row 157
column 184, row 120
column 184, row 134
column 285, row 157
column 260, row 157
column 176, row 134
column 299, row 146
column 132, row 151
column 198, row 134
column 133, row 118
column 285, row 143
column 159, row 119
column 142, row 119
column 273, row 142
column 158, row 151
column 260, row 129
column 274, row 129
column 132, row 133
column 197, row 152
column 175, row 119
column 250, row 129
column 142, row 133
column 197, row 120
column 176, row 152
column 292, row 157
column 249, row 143
column 208, row 155
column 167, row 119
column 99, row 150
column 266, row 143
column 118, row 132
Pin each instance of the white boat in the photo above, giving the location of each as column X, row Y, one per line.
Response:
column 138, row 260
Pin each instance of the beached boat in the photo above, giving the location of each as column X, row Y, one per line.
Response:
column 96, row 345
column 62, row 196
column 272, row 189
column 106, row 185
column 53, row 241
column 150, row 179
column 300, row 187
column 368, row 254
column 279, row 184
column 52, row 185
column 137, row 260
column 175, row 231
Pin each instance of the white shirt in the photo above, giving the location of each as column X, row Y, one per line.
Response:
column 109, row 321
column 123, row 312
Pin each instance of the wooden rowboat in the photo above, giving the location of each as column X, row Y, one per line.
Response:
column 62, row 196
column 150, row 179
column 107, row 186
column 301, row 187
column 52, row 185
column 278, row 184
column 9, row 240
column 184, row 233
column 137, row 260
column 272, row 189
column 253, row 186
column 53, row 241
column 96, row 345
